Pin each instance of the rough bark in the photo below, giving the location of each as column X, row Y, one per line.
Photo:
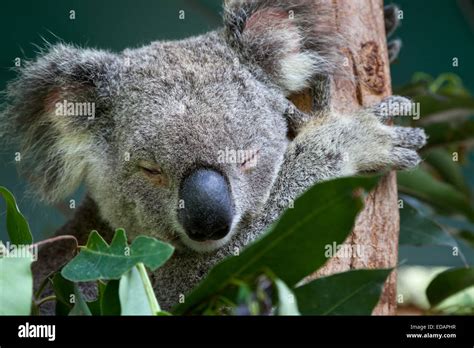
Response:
column 361, row 24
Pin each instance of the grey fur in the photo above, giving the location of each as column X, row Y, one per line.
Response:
column 394, row 47
column 179, row 105
column 392, row 22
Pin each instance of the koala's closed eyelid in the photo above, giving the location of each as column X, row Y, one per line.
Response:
column 150, row 168
column 250, row 160
column 152, row 171
column 154, row 174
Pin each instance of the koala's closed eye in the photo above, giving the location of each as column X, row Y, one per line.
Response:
column 249, row 159
column 154, row 173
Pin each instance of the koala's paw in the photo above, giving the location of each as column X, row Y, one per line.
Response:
column 406, row 141
column 391, row 107
column 390, row 146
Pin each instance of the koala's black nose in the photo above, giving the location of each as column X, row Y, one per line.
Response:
column 208, row 207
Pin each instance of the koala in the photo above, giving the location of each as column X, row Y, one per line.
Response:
column 189, row 140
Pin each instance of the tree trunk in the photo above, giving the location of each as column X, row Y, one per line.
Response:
column 361, row 24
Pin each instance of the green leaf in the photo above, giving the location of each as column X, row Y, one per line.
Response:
column 420, row 184
column 417, row 229
column 465, row 229
column 16, row 281
column 17, row 226
column 109, row 299
column 350, row 293
column 432, row 104
column 455, row 223
column 287, row 304
column 80, row 306
column 99, row 261
column 136, row 293
column 442, row 161
column 449, row 283
column 467, row 237
column 94, row 306
column 461, row 303
column 64, row 291
column 444, row 133
column 445, row 93
column 294, row 246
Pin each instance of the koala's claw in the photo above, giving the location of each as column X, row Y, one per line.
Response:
column 392, row 20
column 395, row 146
column 403, row 158
column 392, row 106
column 394, row 48
column 410, row 138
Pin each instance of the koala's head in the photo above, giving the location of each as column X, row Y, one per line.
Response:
column 180, row 140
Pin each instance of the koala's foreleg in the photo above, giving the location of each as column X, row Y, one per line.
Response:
column 332, row 146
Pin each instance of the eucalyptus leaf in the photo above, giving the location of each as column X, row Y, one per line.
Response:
column 136, row 294
column 95, row 306
column 64, row 292
column 16, row 281
column 109, row 299
column 287, row 304
column 458, row 224
column 424, row 186
column 350, row 293
column 17, row 226
column 465, row 229
column 445, row 93
column 419, row 230
column 99, row 261
column 80, row 307
column 467, row 237
column 435, row 103
column 449, row 283
column 293, row 247
column 461, row 303
column 445, row 133
column 442, row 161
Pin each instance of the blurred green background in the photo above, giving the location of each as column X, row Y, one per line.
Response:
column 433, row 33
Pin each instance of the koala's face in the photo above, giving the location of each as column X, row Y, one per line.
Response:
column 183, row 140
column 198, row 141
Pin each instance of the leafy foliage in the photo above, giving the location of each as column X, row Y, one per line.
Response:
column 440, row 182
column 98, row 260
column 417, row 229
column 17, row 226
column 80, row 305
column 449, row 283
column 437, row 95
column 286, row 300
column 109, row 301
column 440, row 195
column 447, row 110
column 16, row 281
column 261, row 280
column 136, row 293
column 350, row 293
column 64, row 291
column 323, row 215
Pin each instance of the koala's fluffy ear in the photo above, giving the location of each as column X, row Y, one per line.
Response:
column 291, row 40
column 56, row 110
